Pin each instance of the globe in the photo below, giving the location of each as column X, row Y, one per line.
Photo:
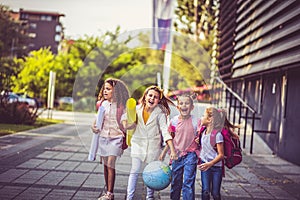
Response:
column 157, row 175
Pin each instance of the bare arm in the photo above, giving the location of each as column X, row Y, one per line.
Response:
column 219, row 157
column 163, row 153
column 94, row 127
column 173, row 154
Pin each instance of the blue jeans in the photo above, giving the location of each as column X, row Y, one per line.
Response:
column 183, row 177
column 211, row 183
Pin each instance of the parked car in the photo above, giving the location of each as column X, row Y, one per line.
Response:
column 12, row 97
column 65, row 103
column 29, row 98
column 66, row 100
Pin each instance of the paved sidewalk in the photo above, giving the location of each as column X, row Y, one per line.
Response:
column 51, row 163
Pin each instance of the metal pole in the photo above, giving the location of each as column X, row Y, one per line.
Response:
column 252, row 133
column 245, row 128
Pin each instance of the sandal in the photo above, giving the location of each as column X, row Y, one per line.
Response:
column 107, row 196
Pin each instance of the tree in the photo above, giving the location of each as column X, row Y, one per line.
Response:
column 189, row 63
column 9, row 70
column 12, row 43
column 12, row 37
column 34, row 77
column 196, row 18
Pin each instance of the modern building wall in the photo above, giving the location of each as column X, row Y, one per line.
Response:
column 258, row 57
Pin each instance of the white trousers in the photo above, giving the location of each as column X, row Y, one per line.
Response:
column 136, row 169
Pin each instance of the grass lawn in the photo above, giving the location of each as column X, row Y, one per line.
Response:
column 6, row 129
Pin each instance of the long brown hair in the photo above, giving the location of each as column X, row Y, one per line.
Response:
column 163, row 100
column 120, row 91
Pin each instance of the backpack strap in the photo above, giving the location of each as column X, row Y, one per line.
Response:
column 202, row 129
column 120, row 110
column 173, row 125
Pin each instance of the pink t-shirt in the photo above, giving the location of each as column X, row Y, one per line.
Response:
column 184, row 135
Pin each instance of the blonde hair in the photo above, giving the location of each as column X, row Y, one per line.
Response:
column 188, row 96
column 163, row 100
column 220, row 121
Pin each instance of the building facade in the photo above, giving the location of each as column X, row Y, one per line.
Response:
column 44, row 29
column 258, row 57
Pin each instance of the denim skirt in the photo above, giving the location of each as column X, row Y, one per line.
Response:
column 110, row 146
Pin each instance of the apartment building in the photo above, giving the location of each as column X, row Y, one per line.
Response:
column 43, row 28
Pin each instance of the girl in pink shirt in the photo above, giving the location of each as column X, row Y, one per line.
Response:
column 184, row 128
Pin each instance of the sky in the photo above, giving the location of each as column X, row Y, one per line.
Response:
column 92, row 17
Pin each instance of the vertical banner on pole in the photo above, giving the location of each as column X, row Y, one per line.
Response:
column 163, row 11
column 51, row 91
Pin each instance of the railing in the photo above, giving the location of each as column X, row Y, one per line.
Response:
column 236, row 104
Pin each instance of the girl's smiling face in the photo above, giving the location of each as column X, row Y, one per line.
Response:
column 185, row 106
column 108, row 92
column 151, row 100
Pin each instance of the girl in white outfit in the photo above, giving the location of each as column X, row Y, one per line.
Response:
column 146, row 141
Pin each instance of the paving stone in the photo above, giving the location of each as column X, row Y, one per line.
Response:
column 84, row 195
column 74, row 179
column 68, row 165
column 31, row 177
column 32, row 163
column 52, row 178
column 95, row 181
column 50, row 164
column 12, row 174
column 47, row 154
column 9, row 192
column 33, row 194
column 63, row 155
column 86, row 167
column 79, row 157
column 60, row 194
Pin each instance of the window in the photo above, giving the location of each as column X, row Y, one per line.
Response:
column 57, row 38
column 24, row 16
column 58, row 28
column 33, row 25
column 34, row 17
column 32, row 35
column 46, row 18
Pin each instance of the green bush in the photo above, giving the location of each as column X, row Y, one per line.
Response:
column 17, row 113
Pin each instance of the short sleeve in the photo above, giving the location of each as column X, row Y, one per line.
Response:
column 219, row 138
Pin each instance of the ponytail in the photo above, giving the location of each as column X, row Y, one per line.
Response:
column 220, row 120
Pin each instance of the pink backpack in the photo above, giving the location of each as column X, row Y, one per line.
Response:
column 232, row 148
